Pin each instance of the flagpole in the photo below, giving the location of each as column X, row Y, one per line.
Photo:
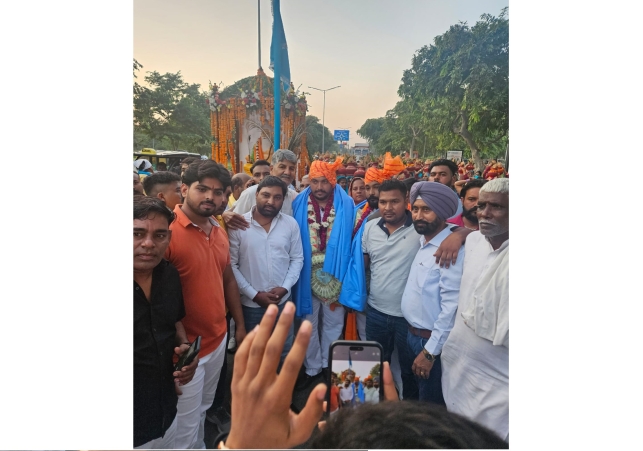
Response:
column 277, row 85
column 259, row 28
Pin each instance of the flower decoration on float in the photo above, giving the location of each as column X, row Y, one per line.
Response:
column 250, row 98
column 214, row 101
column 295, row 101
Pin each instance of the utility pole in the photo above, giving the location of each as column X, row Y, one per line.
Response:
column 324, row 112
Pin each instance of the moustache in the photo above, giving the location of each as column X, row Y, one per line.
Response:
column 420, row 223
column 211, row 204
column 482, row 221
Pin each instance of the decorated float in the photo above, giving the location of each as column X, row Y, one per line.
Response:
column 242, row 123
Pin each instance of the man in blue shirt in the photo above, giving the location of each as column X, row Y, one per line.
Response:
column 430, row 298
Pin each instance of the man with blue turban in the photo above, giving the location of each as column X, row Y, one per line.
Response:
column 430, row 298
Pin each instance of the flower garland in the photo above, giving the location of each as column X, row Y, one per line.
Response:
column 319, row 221
column 250, row 99
column 295, row 102
column 365, row 213
column 213, row 99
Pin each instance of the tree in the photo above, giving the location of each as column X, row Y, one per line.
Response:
column 172, row 109
column 372, row 131
column 461, row 82
column 375, row 371
column 314, row 137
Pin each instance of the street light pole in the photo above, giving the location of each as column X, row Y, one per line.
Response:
column 324, row 112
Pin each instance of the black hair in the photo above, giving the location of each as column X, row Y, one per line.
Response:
column 271, row 180
column 203, row 169
column 474, row 183
column 189, row 160
column 159, row 178
column 144, row 207
column 404, row 425
column 444, row 162
column 258, row 163
column 409, row 183
column 390, row 185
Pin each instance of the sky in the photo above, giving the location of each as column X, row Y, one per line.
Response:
column 361, row 45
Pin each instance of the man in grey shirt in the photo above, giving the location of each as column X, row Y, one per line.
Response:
column 389, row 245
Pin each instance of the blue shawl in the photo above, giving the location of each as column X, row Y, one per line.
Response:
column 353, row 293
column 338, row 248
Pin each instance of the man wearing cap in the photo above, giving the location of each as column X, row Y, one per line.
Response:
column 325, row 214
column 430, row 298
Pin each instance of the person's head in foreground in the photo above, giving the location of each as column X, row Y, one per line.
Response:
column 493, row 210
column 204, row 188
column 284, row 165
column 151, row 232
column 270, row 196
column 261, row 399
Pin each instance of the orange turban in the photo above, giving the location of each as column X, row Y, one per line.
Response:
column 323, row 169
column 374, row 175
column 392, row 166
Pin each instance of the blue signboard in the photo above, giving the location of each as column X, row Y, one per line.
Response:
column 340, row 135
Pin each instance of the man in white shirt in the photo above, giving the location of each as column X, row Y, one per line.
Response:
column 475, row 358
column 284, row 166
column 430, row 297
column 371, row 394
column 267, row 257
column 346, row 393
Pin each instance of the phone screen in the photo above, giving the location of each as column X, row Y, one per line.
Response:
column 356, row 374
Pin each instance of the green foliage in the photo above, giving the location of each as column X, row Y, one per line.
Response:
column 248, row 83
column 172, row 110
column 375, row 371
column 455, row 95
column 314, row 137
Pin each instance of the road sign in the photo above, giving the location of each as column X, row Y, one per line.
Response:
column 340, row 135
column 457, row 154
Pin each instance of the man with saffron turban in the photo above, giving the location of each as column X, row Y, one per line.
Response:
column 325, row 214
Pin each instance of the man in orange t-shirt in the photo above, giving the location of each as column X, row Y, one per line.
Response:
column 200, row 252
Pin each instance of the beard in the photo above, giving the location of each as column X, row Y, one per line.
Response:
column 470, row 214
column 320, row 195
column 491, row 229
column 204, row 209
column 426, row 228
column 373, row 202
column 267, row 211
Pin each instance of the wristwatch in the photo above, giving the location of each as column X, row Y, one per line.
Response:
column 430, row 357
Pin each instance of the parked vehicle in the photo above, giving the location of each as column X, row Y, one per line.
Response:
column 171, row 158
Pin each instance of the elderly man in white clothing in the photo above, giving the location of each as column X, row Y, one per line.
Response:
column 284, row 166
column 267, row 257
column 475, row 357
column 430, row 298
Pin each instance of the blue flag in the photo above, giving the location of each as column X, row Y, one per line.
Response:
column 350, row 361
column 279, row 48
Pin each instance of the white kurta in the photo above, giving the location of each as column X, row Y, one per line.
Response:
column 475, row 373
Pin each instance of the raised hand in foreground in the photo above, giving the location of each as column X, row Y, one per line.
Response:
column 261, row 415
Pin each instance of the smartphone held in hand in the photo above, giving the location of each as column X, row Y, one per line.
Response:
column 188, row 356
column 355, row 374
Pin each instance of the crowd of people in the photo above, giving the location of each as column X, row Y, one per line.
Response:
column 416, row 260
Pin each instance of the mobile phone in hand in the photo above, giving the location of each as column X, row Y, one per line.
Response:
column 188, row 356
column 355, row 374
